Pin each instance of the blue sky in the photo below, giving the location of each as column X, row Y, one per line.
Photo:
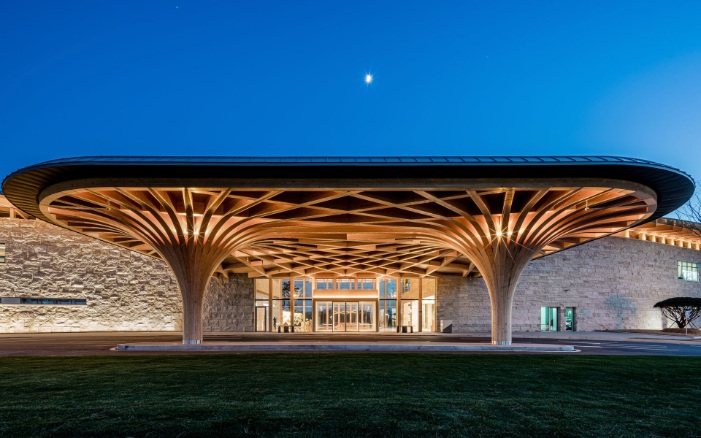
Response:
column 286, row 78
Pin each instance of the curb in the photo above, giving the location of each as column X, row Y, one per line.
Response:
column 345, row 347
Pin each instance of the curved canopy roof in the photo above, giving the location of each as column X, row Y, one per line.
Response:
column 348, row 215
column 673, row 187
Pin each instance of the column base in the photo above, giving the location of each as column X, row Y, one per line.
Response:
column 191, row 341
column 501, row 342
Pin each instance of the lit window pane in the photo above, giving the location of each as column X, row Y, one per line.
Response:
column 688, row 271
column 391, row 291
column 299, row 288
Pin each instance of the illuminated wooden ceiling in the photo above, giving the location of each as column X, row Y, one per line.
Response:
column 347, row 232
column 673, row 232
column 7, row 210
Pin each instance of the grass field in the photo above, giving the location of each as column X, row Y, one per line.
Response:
column 350, row 395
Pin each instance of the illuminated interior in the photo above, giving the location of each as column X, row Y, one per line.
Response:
column 345, row 305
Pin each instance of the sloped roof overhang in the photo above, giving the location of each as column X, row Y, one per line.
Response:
column 24, row 187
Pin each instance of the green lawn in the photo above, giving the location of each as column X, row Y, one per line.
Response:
column 350, row 395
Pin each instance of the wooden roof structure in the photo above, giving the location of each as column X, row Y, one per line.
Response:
column 7, row 210
column 675, row 232
column 378, row 230
column 348, row 216
column 343, row 233
column 324, row 258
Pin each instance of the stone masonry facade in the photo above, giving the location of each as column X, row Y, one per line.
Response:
column 124, row 290
column 228, row 304
column 612, row 283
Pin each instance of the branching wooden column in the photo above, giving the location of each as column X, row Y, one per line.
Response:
column 502, row 230
column 193, row 268
column 501, row 277
column 193, row 230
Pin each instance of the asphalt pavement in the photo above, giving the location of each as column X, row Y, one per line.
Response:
column 593, row 343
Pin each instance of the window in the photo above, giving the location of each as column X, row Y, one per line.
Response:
column 409, row 310
column 428, row 311
column 345, row 284
column 366, row 284
column 548, row 319
column 302, row 310
column 388, row 288
column 324, row 283
column 688, row 271
column 388, row 304
column 282, row 305
column 2, row 253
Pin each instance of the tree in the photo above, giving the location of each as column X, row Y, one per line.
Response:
column 690, row 215
column 681, row 310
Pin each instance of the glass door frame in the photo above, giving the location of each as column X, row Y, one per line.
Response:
column 266, row 310
column 337, row 317
column 572, row 319
column 346, row 301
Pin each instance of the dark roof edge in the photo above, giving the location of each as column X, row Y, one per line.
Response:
column 335, row 160
column 673, row 187
column 323, row 161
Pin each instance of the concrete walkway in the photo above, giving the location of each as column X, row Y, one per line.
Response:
column 340, row 345
column 434, row 342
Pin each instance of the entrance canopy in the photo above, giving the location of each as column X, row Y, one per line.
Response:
column 348, row 216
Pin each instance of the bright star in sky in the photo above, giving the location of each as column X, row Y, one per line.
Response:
column 368, row 79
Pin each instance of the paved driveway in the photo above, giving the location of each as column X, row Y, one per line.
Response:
column 73, row 344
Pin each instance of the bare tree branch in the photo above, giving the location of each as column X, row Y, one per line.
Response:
column 690, row 215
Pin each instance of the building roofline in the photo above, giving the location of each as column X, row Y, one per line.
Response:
column 672, row 186
column 343, row 160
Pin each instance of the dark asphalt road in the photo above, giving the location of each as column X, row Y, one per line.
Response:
column 646, row 348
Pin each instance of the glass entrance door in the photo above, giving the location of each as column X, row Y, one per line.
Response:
column 569, row 319
column 339, row 317
column 345, row 316
column 352, row 316
column 366, row 317
column 322, row 316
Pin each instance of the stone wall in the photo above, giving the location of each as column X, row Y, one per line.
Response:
column 612, row 282
column 228, row 304
column 464, row 303
column 124, row 290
